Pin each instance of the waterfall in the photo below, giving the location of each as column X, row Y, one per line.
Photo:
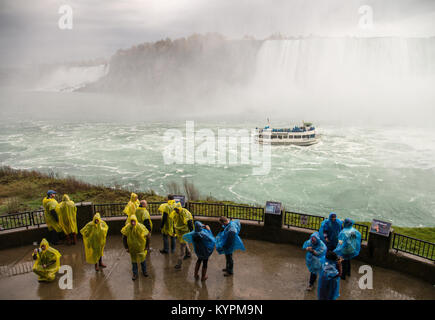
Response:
column 344, row 62
column 70, row 78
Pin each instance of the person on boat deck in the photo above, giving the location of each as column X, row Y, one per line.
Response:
column 143, row 216
column 329, row 280
column 51, row 218
column 183, row 223
column 47, row 262
column 203, row 245
column 228, row 241
column 167, row 225
column 131, row 206
column 316, row 251
column 136, row 240
column 329, row 231
column 67, row 213
column 349, row 245
column 94, row 239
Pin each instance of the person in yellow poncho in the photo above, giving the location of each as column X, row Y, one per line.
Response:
column 183, row 223
column 131, row 206
column 167, row 226
column 51, row 218
column 143, row 216
column 136, row 240
column 47, row 262
column 67, row 213
column 94, row 239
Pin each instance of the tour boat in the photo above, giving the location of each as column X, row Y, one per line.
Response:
column 300, row 136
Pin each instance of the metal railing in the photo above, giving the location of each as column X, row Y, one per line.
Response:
column 302, row 220
column 363, row 229
column 115, row 209
column 22, row 220
column 153, row 208
column 36, row 218
column 201, row 209
column 110, row 209
column 312, row 222
column 245, row 213
column 207, row 209
column 414, row 246
column 400, row 242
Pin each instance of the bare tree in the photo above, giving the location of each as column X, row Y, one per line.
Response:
column 190, row 191
column 173, row 188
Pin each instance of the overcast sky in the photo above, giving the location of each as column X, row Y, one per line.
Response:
column 29, row 31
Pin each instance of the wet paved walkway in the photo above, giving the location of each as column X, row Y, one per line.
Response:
column 264, row 271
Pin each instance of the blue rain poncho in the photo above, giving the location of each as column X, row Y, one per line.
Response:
column 228, row 240
column 349, row 241
column 329, row 281
column 314, row 261
column 332, row 230
column 202, row 239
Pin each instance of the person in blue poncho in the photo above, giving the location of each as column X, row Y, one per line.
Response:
column 329, row 231
column 203, row 245
column 349, row 245
column 329, row 280
column 316, row 251
column 227, row 241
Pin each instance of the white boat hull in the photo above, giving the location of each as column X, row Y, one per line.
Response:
column 298, row 136
column 307, row 142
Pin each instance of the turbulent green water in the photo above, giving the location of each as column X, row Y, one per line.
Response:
column 358, row 172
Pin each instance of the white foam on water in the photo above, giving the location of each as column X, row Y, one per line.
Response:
column 360, row 172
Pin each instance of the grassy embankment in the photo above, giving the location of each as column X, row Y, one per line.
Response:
column 22, row 190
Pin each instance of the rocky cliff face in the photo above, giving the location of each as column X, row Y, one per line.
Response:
column 186, row 68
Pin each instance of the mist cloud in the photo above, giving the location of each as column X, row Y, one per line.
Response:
column 29, row 33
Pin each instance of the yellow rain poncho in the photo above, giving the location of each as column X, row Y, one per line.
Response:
column 94, row 238
column 49, row 257
column 180, row 223
column 50, row 204
column 142, row 214
column 136, row 240
column 168, row 208
column 131, row 206
column 67, row 213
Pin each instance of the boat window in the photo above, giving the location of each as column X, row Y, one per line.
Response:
column 297, row 137
column 290, row 137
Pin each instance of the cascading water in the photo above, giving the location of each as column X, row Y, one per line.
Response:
column 341, row 62
column 346, row 79
column 66, row 78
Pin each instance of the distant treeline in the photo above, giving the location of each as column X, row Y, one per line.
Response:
column 185, row 68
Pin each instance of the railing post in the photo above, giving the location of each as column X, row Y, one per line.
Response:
column 379, row 246
column 85, row 213
column 32, row 218
column 273, row 221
